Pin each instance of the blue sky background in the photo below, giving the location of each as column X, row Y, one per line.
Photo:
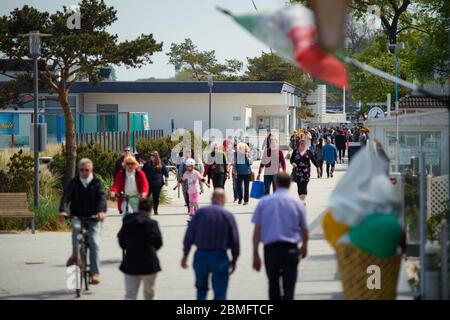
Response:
column 173, row 21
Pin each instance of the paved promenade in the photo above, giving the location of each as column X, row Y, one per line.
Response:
column 33, row 266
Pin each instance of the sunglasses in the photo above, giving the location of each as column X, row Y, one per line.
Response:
column 129, row 164
column 126, row 150
column 84, row 170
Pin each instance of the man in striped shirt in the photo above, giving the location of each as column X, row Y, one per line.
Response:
column 213, row 230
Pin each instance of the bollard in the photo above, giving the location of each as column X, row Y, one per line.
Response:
column 432, row 271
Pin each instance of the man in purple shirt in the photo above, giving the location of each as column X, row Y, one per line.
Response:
column 213, row 230
column 280, row 224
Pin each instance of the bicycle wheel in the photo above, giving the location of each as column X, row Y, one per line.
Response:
column 78, row 273
column 84, row 267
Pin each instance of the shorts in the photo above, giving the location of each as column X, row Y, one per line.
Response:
column 194, row 197
column 302, row 188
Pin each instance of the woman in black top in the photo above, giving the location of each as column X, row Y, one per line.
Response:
column 157, row 175
column 218, row 167
column 301, row 162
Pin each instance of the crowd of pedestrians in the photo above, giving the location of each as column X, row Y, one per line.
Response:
column 279, row 218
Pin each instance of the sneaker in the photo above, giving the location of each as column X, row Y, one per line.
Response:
column 245, row 203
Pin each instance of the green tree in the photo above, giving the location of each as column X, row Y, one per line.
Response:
column 69, row 55
column 271, row 67
column 370, row 88
column 196, row 64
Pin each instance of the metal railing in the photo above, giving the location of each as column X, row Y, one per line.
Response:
column 117, row 140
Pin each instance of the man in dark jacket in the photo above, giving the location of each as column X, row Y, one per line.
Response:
column 139, row 239
column 119, row 162
column 88, row 207
column 340, row 141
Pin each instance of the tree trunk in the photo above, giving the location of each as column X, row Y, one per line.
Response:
column 71, row 146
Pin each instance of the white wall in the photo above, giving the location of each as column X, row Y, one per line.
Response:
column 184, row 108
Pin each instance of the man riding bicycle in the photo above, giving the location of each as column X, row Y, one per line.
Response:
column 87, row 198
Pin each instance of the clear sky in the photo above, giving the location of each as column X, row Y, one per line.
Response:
column 173, row 21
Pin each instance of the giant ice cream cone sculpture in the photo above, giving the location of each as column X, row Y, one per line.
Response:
column 362, row 225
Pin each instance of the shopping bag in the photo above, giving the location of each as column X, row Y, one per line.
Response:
column 257, row 189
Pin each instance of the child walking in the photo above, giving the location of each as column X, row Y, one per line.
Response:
column 193, row 179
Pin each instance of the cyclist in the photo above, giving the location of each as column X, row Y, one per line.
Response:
column 131, row 181
column 87, row 198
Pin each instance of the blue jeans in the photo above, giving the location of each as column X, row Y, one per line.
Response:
column 217, row 263
column 235, row 187
column 93, row 240
column 269, row 180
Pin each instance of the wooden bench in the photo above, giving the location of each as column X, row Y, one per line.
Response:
column 15, row 205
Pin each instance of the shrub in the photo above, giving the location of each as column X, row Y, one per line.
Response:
column 20, row 174
column 107, row 185
column 103, row 160
column 164, row 197
column 47, row 218
column 163, row 145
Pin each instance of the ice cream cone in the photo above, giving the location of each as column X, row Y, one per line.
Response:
column 359, row 279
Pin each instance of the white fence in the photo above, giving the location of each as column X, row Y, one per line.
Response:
column 437, row 194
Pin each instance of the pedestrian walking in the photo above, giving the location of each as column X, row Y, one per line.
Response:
column 232, row 171
column 130, row 181
column 217, row 167
column 87, row 198
column 140, row 239
column 272, row 162
column 301, row 162
column 119, row 162
column 293, row 140
column 243, row 167
column 330, row 155
column 157, row 176
column 280, row 224
column 193, row 178
column 211, row 256
column 341, row 141
column 188, row 154
column 318, row 154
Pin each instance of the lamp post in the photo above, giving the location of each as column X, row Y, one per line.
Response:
column 34, row 38
column 396, row 47
column 210, row 86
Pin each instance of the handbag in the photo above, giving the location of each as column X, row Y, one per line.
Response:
column 257, row 189
column 252, row 176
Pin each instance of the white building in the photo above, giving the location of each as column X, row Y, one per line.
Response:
column 425, row 131
column 317, row 101
column 171, row 105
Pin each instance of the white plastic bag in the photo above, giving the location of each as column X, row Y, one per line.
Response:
column 365, row 188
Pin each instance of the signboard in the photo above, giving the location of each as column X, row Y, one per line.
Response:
column 431, row 147
column 9, row 123
column 236, row 118
column 146, row 122
column 375, row 113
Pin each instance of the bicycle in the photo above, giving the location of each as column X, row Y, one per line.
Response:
column 83, row 267
column 127, row 198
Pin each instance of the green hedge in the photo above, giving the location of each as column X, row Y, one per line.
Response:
column 104, row 161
